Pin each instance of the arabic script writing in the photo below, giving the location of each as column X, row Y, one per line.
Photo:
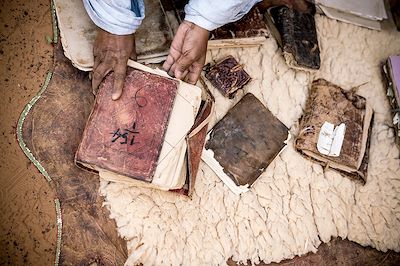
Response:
column 126, row 135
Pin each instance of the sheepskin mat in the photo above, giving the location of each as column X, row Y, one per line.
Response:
column 296, row 204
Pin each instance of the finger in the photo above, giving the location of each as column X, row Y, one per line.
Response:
column 184, row 75
column 119, row 79
column 133, row 55
column 194, row 74
column 168, row 63
column 99, row 73
column 172, row 57
column 172, row 70
column 183, row 64
column 97, row 61
column 176, row 46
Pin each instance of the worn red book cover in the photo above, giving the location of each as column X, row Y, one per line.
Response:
column 126, row 136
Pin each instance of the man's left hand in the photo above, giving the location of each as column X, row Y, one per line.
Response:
column 187, row 53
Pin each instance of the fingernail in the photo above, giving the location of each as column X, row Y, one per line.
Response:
column 115, row 96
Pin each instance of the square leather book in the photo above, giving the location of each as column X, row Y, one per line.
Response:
column 243, row 143
column 227, row 76
column 152, row 136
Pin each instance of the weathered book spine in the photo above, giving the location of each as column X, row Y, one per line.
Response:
column 298, row 36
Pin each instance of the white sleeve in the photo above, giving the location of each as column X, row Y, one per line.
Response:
column 120, row 17
column 212, row 14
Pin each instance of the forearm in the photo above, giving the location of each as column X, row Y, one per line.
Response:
column 212, row 14
column 120, row 17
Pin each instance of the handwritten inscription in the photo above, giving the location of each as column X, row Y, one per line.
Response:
column 140, row 100
column 125, row 136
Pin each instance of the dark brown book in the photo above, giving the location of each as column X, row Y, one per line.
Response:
column 395, row 10
column 227, row 76
column 296, row 34
column 126, row 136
column 347, row 151
column 244, row 142
column 251, row 25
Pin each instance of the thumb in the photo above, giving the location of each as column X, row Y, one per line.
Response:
column 119, row 80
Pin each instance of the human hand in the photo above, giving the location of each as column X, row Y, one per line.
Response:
column 111, row 53
column 187, row 53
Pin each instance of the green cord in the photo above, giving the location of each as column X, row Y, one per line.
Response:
column 28, row 152
column 21, row 121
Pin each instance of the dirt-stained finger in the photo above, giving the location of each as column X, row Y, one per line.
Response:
column 99, row 73
column 119, row 79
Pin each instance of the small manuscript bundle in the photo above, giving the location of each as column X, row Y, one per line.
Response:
column 227, row 76
column 335, row 129
column 296, row 34
column 391, row 72
column 146, row 134
column 243, row 143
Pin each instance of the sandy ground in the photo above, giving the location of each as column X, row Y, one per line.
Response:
column 27, row 226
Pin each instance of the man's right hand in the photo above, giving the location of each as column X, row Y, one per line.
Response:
column 111, row 53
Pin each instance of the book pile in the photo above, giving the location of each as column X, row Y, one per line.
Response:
column 156, row 134
column 151, row 137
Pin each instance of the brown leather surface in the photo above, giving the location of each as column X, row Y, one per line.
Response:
column 227, row 76
column 246, row 140
column 328, row 102
column 297, row 35
column 52, row 131
column 196, row 145
column 251, row 25
column 395, row 9
column 126, row 136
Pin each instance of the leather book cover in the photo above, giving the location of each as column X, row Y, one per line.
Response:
column 394, row 6
column 246, row 140
column 196, row 140
column 328, row 103
column 227, row 76
column 251, row 25
column 126, row 136
column 296, row 34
